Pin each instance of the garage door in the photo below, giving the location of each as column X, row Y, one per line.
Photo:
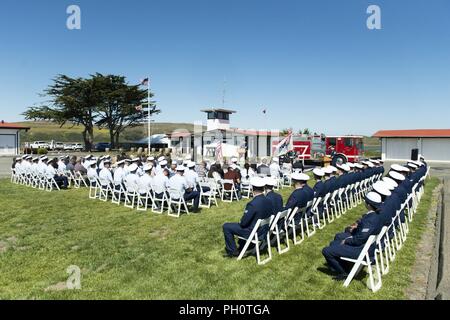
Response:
column 7, row 144
column 400, row 148
column 436, row 149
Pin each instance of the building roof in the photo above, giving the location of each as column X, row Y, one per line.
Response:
column 415, row 133
column 219, row 110
column 6, row 125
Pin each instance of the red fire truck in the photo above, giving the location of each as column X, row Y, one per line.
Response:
column 317, row 149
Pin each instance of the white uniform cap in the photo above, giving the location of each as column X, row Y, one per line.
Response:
column 351, row 165
column 234, row 160
column 328, row 170
column 258, row 182
column 91, row 163
column 345, row 167
column 174, row 162
column 382, row 188
column 396, row 176
column 29, row 157
column 161, row 159
column 133, row 167
column 44, row 158
column 233, row 166
column 127, row 160
column 181, row 169
column 276, row 159
column 270, row 181
column 399, row 168
column 107, row 161
column 163, row 163
column 374, row 197
column 300, row 176
column 392, row 184
column 135, row 160
column 150, row 158
column 319, row 172
column 120, row 162
column 333, row 168
column 147, row 167
column 412, row 165
column 188, row 158
column 35, row 159
column 359, row 166
column 370, row 164
column 191, row 164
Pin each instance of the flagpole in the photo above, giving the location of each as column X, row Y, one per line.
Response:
column 148, row 120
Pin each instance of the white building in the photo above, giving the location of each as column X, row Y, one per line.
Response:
column 247, row 144
column 398, row 145
column 10, row 138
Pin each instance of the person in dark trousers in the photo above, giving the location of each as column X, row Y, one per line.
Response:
column 259, row 208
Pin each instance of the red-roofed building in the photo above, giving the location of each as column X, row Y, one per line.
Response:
column 433, row 144
column 10, row 138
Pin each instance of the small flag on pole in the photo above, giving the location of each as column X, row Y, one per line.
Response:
column 219, row 151
column 264, row 111
column 144, row 82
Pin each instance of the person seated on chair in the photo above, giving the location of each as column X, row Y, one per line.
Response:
column 275, row 198
column 351, row 244
column 263, row 169
column 131, row 180
column 160, row 184
column 275, row 170
column 179, row 183
column 52, row 173
column 105, row 176
column 247, row 172
column 258, row 208
column 92, row 171
column 233, row 174
column 146, row 180
column 319, row 188
column 119, row 175
column 301, row 195
column 191, row 176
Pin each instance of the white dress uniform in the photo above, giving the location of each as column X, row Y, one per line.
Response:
column 61, row 166
column 35, row 168
column 178, row 183
column 192, row 179
column 42, row 168
column 145, row 183
column 131, row 182
column 160, row 183
column 92, row 173
column 50, row 172
column 275, row 170
column 119, row 176
column 105, row 177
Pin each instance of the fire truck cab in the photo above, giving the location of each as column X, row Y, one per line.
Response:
column 342, row 149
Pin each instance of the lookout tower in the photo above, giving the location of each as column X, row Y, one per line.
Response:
column 218, row 119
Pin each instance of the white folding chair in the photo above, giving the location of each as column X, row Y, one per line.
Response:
column 207, row 197
column 176, row 200
column 93, row 189
column 364, row 260
column 258, row 243
column 230, row 194
column 278, row 232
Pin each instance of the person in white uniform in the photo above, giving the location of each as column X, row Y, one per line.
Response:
column 146, row 180
column 179, row 183
column 119, row 175
column 131, row 180
column 105, row 176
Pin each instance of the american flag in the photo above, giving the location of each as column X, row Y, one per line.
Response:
column 219, row 151
column 285, row 145
column 144, row 82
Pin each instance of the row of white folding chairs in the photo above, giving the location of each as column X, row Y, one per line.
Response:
column 287, row 217
column 387, row 243
column 171, row 199
column 34, row 180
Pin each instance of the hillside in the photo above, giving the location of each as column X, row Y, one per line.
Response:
column 48, row 131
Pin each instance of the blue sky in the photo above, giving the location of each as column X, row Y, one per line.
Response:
column 310, row 63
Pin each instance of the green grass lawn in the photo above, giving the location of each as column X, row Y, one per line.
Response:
column 124, row 254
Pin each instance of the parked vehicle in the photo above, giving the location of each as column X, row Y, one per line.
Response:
column 73, row 147
column 39, row 145
column 102, row 146
column 56, row 146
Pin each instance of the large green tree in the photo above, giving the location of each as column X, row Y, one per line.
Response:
column 118, row 108
column 102, row 101
column 72, row 100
